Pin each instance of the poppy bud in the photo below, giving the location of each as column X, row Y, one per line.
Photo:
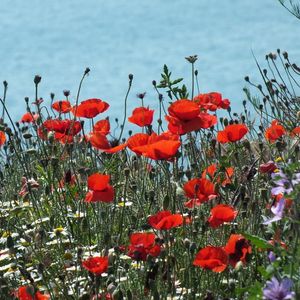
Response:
column 193, row 247
column 285, row 55
column 27, row 136
column 87, row 70
column 225, row 121
column 37, row 79
column 130, row 76
column 153, row 82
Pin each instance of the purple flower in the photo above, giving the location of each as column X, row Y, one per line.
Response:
column 271, row 256
column 277, row 211
column 276, row 290
column 284, row 185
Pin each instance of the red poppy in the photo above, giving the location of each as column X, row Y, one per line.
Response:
column 225, row 177
column 29, row 293
column 99, row 189
column 268, row 167
column 142, row 245
column 185, row 116
column 99, row 141
column 201, row 189
column 211, row 101
column 90, row 108
column 295, row 132
column 232, row 133
column 62, row 106
column 66, row 127
column 220, row 214
column 212, row 258
column 157, row 147
column 142, row 116
column 29, row 117
column 96, row 265
column 274, row 132
column 2, row 138
column 165, row 220
column 102, row 126
column 238, row 249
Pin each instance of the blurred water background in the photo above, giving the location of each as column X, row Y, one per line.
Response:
column 59, row 39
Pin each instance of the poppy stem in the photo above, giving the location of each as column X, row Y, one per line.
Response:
column 125, row 106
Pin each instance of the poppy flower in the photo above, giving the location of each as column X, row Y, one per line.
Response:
column 62, row 106
column 274, row 132
column 223, row 177
column 66, row 127
column 157, row 147
column 185, row 116
column 232, row 133
column 268, row 167
column 29, row 293
column 295, row 132
column 212, row 258
column 238, row 249
column 29, row 117
column 143, row 244
column 2, row 138
column 99, row 141
column 99, row 189
column 90, row 108
column 165, row 220
column 102, row 126
column 96, row 265
column 211, row 101
column 142, row 116
column 220, row 214
column 201, row 189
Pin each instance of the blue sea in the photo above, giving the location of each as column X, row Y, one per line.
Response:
column 59, row 39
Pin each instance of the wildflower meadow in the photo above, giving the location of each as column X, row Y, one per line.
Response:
column 197, row 201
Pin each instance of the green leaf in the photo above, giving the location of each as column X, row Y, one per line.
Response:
column 258, row 241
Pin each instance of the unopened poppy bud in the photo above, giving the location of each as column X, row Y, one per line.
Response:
column 87, row 70
column 225, row 121
column 130, row 76
column 196, row 72
column 160, row 97
column 37, row 79
column 193, row 247
column 66, row 93
column 285, row 55
column 26, row 99
column 153, row 82
column 159, row 121
column 247, row 78
column 5, row 83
